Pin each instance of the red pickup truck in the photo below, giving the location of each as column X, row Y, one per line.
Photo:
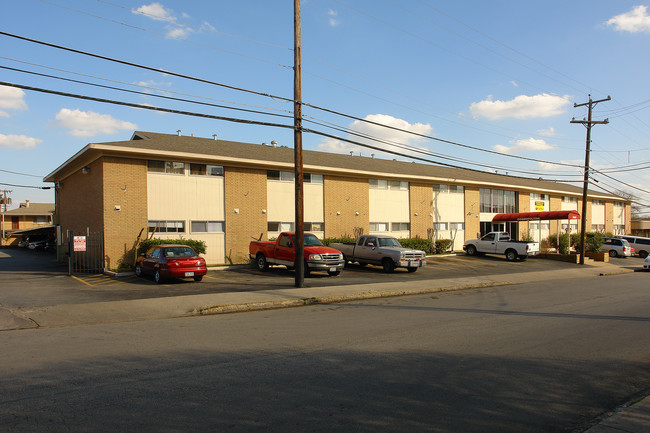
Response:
column 282, row 252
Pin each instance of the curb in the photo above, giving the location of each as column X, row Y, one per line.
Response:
column 333, row 299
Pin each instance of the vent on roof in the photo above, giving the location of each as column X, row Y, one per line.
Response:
column 214, row 136
column 178, row 131
column 274, row 143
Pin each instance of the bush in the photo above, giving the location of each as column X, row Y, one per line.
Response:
column 328, row 241
column 425, row 245
column 565, row 240
column 594, row 241
column 443, row 246
column 145, row 244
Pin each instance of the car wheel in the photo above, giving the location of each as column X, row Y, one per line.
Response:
column 306, row 269
column 471, row 250
column 643, row 254
column 198, row 278
column 157, row 277
column 412, row 269
column 612, row 253
column 261, row 262
column 511, row 255
column 388, row 265
column 333, row 273
column 138, row 270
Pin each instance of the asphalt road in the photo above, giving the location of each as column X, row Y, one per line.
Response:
column 536, row 357
column 35, row 279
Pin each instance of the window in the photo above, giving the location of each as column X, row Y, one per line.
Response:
column 378, row 184
column 438, row 187
column 566, row 199
column 396, row 184
column 378, row 227
column 599, row 202
column 400, row 227
column 167, row 226
column 279, row 226
column 41, row 219
column 206, row 226
column 284, row 176
column 458, row 189
column 497, row 201
column 314, row 227
column 598, row 228
column 313, row 178
column 170, row 167
column 440, row 226
column 536, row 196
column 206, row 170
column 456, row 226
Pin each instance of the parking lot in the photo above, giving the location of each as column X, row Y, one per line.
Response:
column 34, row 278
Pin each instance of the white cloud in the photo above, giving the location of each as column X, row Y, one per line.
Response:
column 178, row 32
column 18, row 141
column 526, row 145
column 521, row 107
column 11, row 98
column 89, row 123
column 634, row 21
column 333, row 20
column 548, row 132
column 379, row 132
column 155, row 11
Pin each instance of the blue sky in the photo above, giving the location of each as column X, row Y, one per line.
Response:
column 498, row 76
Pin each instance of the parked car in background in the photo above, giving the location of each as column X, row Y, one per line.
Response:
column 646, row 263
column 385, row 251
column 640, row 244
column 616, row 247
column 171, row 261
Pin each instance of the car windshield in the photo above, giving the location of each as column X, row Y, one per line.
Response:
column 389, row 242
column 173, row 252
column 310, row 241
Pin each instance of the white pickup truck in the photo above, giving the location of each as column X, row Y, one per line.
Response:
column 385, row 251
column 500, row 243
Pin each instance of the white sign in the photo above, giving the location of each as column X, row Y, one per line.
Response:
column 79, row 243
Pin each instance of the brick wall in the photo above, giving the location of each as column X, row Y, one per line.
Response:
column 344, row 197
column 245, row 190
column 124, row 209
column 421, row 203
column 79, row 201
column 523, row 205
column 472, row 212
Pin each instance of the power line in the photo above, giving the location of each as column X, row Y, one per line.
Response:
column 26, row 186
column 21, row 174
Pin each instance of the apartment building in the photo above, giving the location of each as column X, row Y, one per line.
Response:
column 27, row 217
column 228, row 193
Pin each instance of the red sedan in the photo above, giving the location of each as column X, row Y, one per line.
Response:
column 171, row 261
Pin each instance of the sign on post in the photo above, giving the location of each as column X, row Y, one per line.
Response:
column 79, row 243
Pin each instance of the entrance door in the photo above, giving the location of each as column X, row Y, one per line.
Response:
column 15, row 223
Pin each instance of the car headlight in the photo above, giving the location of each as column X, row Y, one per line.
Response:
column 313, row 257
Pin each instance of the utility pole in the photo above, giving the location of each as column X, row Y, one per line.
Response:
column 299, row 263
column 588, row 123
column 4, row 202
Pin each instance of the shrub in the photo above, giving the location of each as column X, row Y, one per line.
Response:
column 565, row 240
column 594, row 241
column 145, row 244
column 443, row 246
column 425, row 245
column 328, row 241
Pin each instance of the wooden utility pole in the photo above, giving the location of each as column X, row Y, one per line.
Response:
column 588, row 123
column 299, row 263
column 2, row 222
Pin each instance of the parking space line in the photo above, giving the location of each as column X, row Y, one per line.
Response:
column 80, row 280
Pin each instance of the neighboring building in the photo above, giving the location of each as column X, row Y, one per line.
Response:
column 228, row 193
column 641, row 227
column 17, row 223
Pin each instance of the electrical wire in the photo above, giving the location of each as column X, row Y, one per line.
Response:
column 26, row 186
column 21, row 174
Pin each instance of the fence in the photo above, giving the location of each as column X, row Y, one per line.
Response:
column 86, row 252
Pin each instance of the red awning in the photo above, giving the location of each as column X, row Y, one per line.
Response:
column 537, row 216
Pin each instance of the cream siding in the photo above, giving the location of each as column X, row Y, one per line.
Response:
column 449, row 210
column 389, row 206
column 281, row 202
column 177, row 197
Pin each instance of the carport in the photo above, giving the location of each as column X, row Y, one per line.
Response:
column 539, row 216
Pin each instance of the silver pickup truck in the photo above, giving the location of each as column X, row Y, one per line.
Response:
column 385, row 251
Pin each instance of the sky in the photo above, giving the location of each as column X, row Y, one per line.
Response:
column 482, row 85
